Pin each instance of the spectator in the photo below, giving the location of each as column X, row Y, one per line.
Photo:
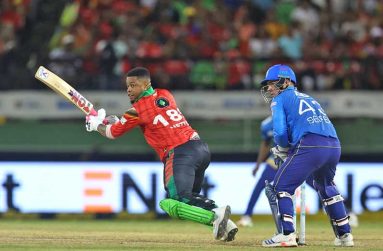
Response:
column 306, row 16
column 64, row 61
column 262, row 45
column 112, row 36
column 291, row 43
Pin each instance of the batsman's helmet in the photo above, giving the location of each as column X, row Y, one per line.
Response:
column 278, row 71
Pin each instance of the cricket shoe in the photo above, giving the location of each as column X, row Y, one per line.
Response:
column 222, row 215
column 231, row 231
column 281, row 240
column 346, row 240
column 245, row 221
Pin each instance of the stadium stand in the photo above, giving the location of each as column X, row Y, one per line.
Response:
column 332, row 44
column 189, row 45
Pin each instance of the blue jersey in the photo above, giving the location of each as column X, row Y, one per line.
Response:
column 267, row 135
column 267, row 129
column 296, row 114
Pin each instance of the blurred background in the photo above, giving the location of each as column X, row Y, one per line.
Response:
column 212, row 55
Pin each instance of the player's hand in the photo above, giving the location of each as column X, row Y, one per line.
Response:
column 255, row 170
column 92, row 122
column 280, row 154
column 111, row 120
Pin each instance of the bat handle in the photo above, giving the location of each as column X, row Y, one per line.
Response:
column 93, row 112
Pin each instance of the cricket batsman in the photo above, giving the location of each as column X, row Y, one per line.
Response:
column 306, row 144
column 184, row 155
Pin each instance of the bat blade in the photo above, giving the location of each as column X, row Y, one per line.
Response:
column 64, row 89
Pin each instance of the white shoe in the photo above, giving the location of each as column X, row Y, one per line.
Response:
column 353, row 220
column 281, row 240
column 245, row 221
column 222, row 215
column 346, row 240
column 231, row 231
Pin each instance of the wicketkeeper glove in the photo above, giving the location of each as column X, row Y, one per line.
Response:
column 92, row 122
column 280, row 154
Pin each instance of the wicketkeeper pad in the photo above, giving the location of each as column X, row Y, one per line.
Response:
column 183, row 211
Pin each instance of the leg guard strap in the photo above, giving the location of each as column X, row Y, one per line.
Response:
column 288, row 218
column 199, row 200
column 284, row 195
column 340, row 222
column 183, row 211
column 333, row 200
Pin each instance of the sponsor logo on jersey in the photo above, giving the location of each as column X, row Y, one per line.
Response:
column 162, row 102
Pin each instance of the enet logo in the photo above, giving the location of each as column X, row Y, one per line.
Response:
column 96, row 183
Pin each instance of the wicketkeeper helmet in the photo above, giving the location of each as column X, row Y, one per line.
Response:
column 277, row 74
column 278, row 71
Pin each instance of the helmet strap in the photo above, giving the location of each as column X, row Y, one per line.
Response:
column 280, row 84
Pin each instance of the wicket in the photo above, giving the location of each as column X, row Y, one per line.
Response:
column 301, row 193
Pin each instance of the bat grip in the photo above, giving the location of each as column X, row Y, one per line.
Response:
column 93, row 112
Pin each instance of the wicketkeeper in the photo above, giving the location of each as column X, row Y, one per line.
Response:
column 306, row 144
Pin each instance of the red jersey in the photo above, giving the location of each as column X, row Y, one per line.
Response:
column 161, row 121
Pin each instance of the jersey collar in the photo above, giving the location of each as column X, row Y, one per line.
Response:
column 145, row 93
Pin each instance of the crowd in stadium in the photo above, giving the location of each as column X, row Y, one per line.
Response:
column 202, row 44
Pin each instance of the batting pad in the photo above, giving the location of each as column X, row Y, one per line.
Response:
column 183, row 211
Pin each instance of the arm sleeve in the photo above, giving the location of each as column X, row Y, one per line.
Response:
column 279, row 123
column 126, row 123
column 267, row 129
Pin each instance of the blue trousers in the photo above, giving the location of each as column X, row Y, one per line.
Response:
column 317, row 156
column 267, row 174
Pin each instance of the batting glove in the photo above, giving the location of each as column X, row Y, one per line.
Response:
column 111, row 119
column 92, row 122
column 280, row 154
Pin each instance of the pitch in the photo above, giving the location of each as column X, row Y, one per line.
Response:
column 144, row 234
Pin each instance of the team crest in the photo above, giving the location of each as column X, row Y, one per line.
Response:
column 162, row 102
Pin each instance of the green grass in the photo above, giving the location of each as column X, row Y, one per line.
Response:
column 123, row 234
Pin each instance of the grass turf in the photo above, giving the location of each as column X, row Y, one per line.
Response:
column 135, row 234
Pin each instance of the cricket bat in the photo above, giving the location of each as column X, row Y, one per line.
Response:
column 64, row 89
